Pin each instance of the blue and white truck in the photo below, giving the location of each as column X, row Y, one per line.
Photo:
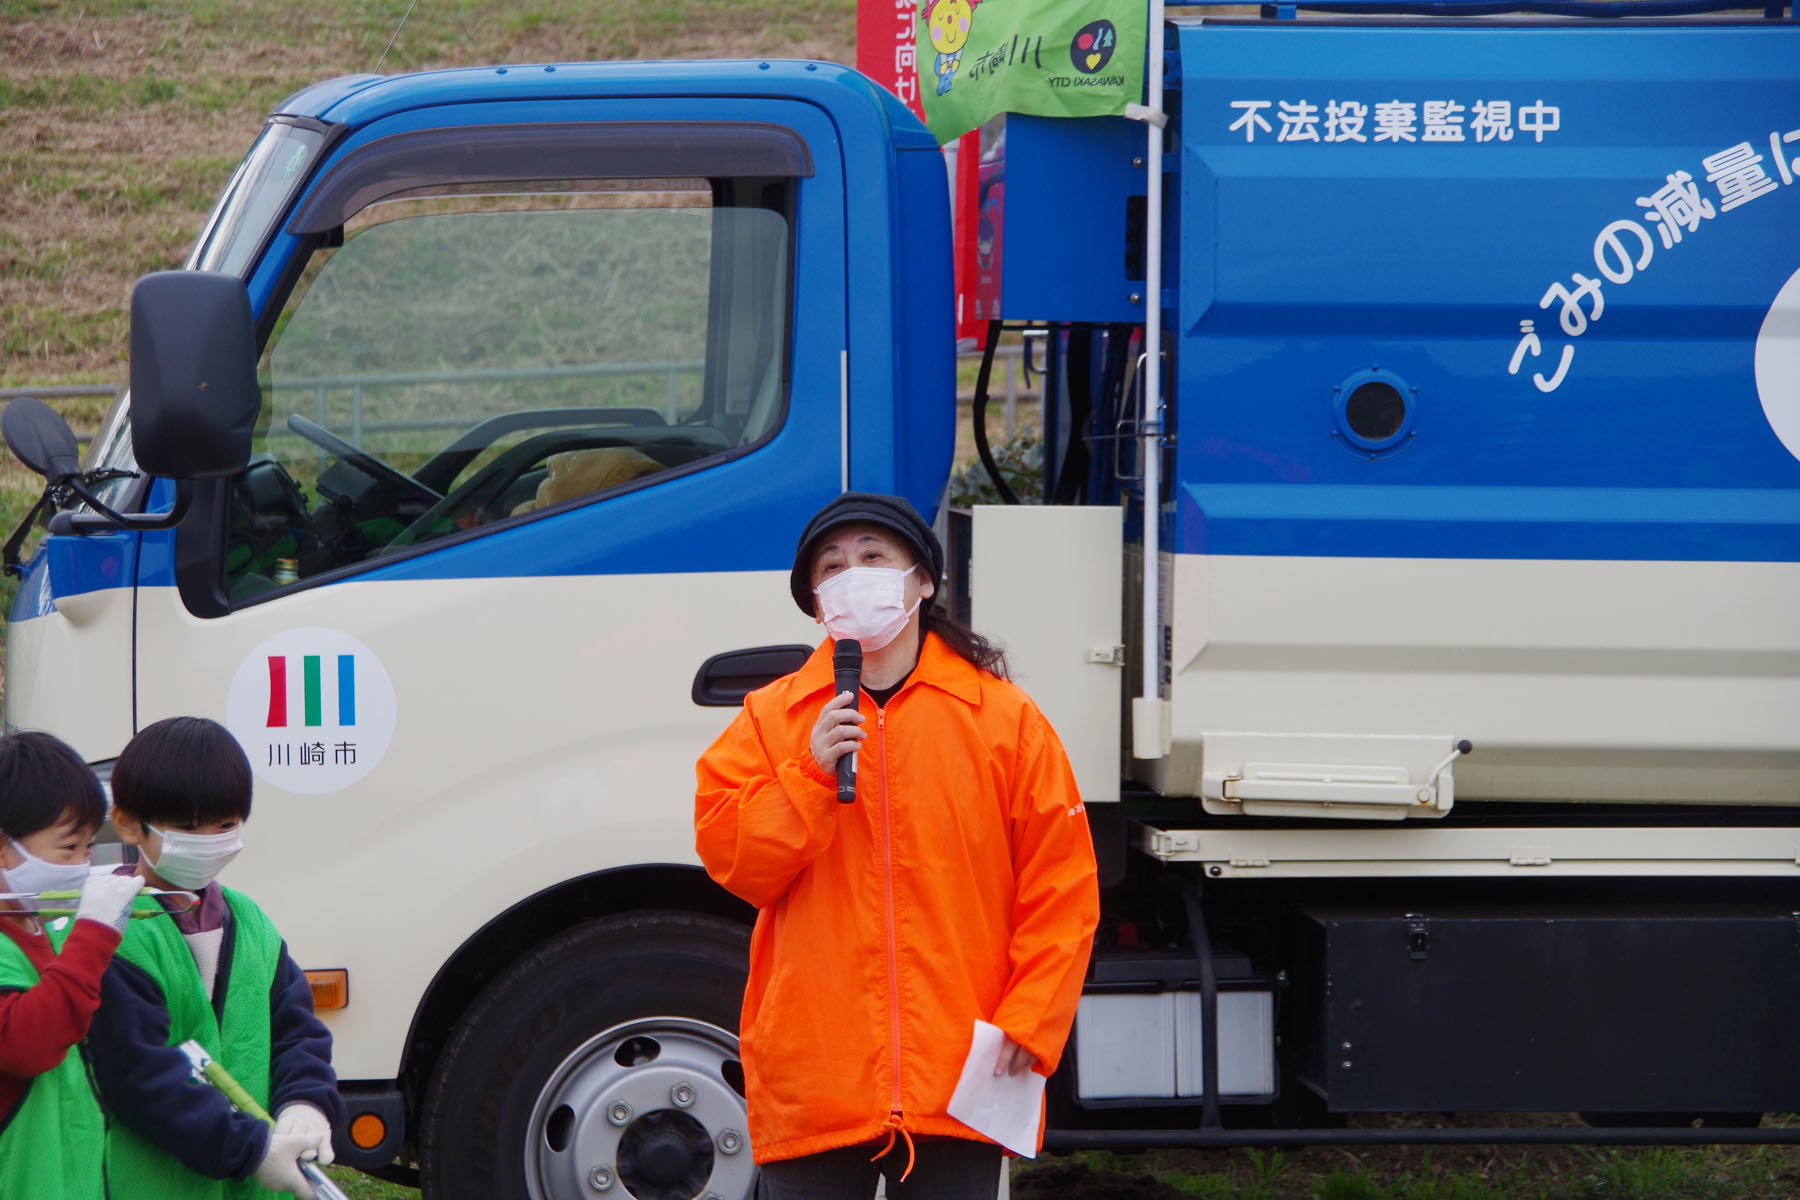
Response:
column 1417, row 590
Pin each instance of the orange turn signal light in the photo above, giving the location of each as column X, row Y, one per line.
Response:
column 367, row 1131
column 330, row 988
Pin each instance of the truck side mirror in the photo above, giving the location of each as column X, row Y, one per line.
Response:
column 41, row 439
column 194, row 396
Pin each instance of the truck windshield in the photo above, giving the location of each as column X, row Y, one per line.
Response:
column 239, row 225
column 458, row 360
column 258, row 193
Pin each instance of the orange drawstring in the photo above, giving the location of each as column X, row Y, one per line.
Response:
column 895, row 1128
column 909, row 1155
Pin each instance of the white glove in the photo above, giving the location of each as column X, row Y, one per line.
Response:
column 107, row 899
column 279, row 1170
column 301, row 1117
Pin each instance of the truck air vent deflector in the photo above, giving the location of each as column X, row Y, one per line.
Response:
column 433, row 158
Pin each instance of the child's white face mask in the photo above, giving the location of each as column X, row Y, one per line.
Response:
column 36, row 875
column 867, row 604
column 193, row 860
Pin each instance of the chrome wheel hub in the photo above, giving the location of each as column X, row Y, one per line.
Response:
column 649, row 1110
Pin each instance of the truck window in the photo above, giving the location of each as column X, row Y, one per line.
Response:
column 459, row 360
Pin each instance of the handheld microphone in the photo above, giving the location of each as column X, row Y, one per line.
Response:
column 846, row 671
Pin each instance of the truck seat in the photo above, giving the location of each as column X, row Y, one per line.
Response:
column 578, row 472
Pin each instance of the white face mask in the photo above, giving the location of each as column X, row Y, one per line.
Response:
column 867, row 604
column 36, row 875
column 193, row 860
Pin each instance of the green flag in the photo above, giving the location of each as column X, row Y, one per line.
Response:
column 1049, row 58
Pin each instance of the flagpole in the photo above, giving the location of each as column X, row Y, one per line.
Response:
column 1147, row 709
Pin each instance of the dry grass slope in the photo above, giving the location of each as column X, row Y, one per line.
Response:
column 121, row 119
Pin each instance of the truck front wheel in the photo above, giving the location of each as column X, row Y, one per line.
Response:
column 603, row 1062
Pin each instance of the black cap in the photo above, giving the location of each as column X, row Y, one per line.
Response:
column 892, row 513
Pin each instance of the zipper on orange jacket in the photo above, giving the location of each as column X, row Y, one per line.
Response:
column 887, row 880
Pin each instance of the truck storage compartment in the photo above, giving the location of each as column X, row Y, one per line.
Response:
column 1540, row 1008
column 1139, row 1032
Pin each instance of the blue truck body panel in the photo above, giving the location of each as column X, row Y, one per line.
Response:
column 71, row 566
column 1560, row 242
column 1303, row 262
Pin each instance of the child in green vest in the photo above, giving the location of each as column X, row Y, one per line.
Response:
column 220, row 975
column 51, row 1133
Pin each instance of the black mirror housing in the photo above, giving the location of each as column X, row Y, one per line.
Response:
column 194, row 397
column 41, row 439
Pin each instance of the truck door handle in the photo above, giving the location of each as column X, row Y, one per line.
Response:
column 725, row 679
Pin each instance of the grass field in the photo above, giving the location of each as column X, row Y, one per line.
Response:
column 1399, row 1173
column 121, row 119
column 1417, row 1173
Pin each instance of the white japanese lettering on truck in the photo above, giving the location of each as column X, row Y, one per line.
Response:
column 1395, row 121
column 1739, row 176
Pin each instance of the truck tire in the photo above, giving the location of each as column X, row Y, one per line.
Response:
column 604, row 1061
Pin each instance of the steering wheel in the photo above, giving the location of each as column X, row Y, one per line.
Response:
column 491, row 481
column 362, row 460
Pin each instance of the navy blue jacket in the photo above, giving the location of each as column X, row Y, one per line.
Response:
column 143, row 1080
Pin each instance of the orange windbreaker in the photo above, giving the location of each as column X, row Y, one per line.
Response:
column 960, row 885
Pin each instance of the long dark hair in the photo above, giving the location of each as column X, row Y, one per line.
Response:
column 969, row 645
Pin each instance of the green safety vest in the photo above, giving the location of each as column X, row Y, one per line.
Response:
column 50, row 1143
column 135, row 1168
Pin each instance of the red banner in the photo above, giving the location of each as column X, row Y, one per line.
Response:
column 884, row 48
column 971, row 321
column 885, row 31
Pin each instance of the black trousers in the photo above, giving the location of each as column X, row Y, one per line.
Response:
column 951, row 1169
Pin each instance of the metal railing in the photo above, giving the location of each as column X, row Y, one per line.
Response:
column 323, row 386
column 62, row 390
column 358, row 385
column 1010, row 383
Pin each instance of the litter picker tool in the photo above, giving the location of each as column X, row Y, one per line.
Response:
column 209, row 1071
column 62, row 904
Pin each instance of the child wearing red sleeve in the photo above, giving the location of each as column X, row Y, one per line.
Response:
column 51, row 1131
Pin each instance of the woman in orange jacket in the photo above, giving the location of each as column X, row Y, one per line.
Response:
column 959, row 886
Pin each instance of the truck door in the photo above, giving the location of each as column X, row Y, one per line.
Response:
column 535, row 436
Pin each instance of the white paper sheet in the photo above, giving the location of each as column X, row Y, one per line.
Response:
column 1002, row 1107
